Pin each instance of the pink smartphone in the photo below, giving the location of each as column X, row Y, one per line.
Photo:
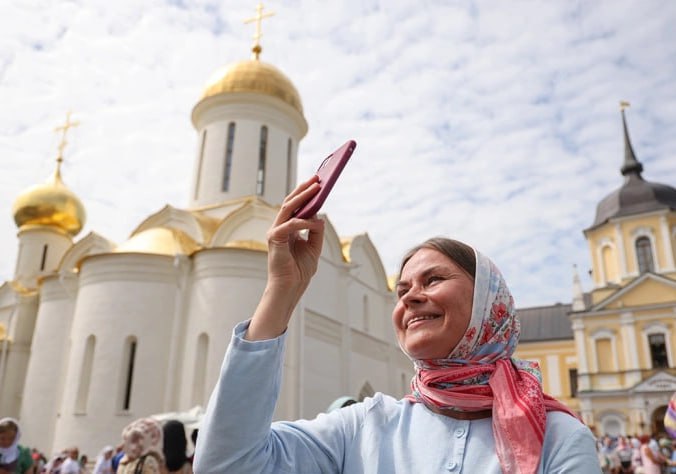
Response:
column 328, row 173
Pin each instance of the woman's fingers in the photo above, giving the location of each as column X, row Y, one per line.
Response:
column 299, row 196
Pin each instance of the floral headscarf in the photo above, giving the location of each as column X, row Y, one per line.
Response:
column 151, row 432
column 481, row 374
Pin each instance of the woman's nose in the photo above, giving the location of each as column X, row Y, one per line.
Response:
column 414, row 295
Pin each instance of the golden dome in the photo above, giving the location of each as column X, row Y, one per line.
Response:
column 254, row 76
column 161, row 241
column 50, row 204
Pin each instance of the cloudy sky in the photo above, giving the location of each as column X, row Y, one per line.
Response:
column 493, row 122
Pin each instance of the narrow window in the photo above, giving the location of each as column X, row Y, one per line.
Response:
column 289, row 182
column 572, row 377
column 644, row 255
column 200, row 159
column 200, row 370
column 130, row 356
column 44, row 257
column 85, row 378
column 262, row 150
column 229, row 146
column 658, row 351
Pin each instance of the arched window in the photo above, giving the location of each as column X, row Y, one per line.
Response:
column 85, row 376
column 262, row 151
column 658, row 350
column 127, row 376
column 200, row 370
column 229, row 146
column 644, row 255
column 43, row 262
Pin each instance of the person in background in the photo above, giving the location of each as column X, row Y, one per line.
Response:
column 193, row 437
column 71, row 465
column 84, row 460
column 651, row 460
column 175, row 448
column 14, row 458
column 142, row 448
column 117, row 457
column 104, row 461
column 472, row 408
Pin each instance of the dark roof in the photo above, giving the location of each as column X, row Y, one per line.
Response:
column 636, row 195
column 544, row 323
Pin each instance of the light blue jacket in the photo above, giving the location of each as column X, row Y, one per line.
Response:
column 380, row 435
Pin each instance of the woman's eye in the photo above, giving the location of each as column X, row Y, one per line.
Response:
column 432, row 279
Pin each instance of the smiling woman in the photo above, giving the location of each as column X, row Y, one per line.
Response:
column 472, row 408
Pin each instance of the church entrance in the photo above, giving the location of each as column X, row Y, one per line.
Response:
column 657, row 421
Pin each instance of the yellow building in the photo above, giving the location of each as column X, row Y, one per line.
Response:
column 609, row 355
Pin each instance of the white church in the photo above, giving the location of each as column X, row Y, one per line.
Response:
column 94, row 333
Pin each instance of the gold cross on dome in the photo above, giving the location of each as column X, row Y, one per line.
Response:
column 64, row 129
column 624, row 104
column 257, row 35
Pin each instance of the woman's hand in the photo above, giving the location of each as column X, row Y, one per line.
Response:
column 292, row 261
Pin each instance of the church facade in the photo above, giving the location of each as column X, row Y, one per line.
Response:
column 94, row 334
column 610, row 353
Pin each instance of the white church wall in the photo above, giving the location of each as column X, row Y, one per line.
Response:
column 322, row 364
column 214, row 116
column 16, row 353
column 121, row 296
column 225, row 289
column 40, row 252
column 46, row 369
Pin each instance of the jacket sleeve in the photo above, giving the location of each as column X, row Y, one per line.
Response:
column 237, row 434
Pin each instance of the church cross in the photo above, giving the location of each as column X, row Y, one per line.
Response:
column 257, row 35
column 64, row 129
column 624, row 104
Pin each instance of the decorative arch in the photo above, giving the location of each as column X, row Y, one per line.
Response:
column 249, row 222
column 613, row 423
column 91, row 244
column 178, row 219
column 361, row 252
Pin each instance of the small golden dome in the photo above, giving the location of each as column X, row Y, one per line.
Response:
column 50, row 204
column 254, row 76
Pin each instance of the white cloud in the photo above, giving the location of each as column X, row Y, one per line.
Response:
column 493, row 122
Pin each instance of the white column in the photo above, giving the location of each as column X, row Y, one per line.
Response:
column 668, row 249
column 580, row 344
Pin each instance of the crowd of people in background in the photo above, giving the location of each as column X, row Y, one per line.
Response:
column 644, row 454
column 147, row 447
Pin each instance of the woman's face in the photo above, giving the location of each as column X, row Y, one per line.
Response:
column 434, row 305
column 7, row 438
column 134, row 444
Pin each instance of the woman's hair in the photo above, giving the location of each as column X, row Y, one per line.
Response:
column 175, row 445
column 8, row 425
column 459, row 252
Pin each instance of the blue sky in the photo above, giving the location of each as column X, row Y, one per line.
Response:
column 493, row 122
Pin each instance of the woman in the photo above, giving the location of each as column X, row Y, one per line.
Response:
column 104, row 461
column 14, row 458
column 142, row 448
column 472, row 408
column 175, row 447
